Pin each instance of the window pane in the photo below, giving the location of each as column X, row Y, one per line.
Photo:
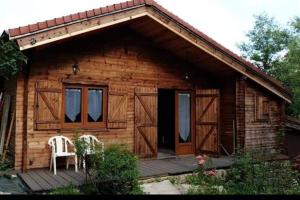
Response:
column 95, row 97
column 184, row 117
column 72, row 105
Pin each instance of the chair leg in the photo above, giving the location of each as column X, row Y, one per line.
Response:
column 67, row 166
column 51, row 162
column 79, row 163
column 76, row 169
column 54, row 165
column 83, row 164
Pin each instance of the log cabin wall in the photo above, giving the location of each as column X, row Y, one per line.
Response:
column 227, row 112
column 261, row 132
column 121, row 58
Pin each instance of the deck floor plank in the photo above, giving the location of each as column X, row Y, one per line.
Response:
column 78, row 177
column 54, row 180
column 68, row 178
column 30, row 182
column 44, row 184
column 43, row 180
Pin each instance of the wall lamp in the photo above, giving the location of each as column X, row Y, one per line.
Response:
column 75, row 68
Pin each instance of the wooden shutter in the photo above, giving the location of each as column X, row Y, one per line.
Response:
column 261, row 108
column 207, row 121
column 145, row 100
column 47, row 105
column 117, row 107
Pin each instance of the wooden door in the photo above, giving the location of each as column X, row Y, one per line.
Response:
column 184, row 122
column 207, row 121
column 145, row 125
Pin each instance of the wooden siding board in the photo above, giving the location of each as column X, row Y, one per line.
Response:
column 102, row 60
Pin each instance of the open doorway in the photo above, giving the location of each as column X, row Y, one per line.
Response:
column 166, row 123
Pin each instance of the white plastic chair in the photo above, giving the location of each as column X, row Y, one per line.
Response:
column 59, row 146
column 91, row 142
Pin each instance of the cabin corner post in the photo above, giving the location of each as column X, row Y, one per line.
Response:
column 240, row 112
column 25, row 76
column 282, row 130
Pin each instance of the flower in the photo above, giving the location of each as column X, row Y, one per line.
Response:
column 201, row 162
column 199, row 157
column 212, row 173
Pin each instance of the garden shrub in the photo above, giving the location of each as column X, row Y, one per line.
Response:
column 69, row 190
column 250, row 175
column 253, row 172
column 117, row 173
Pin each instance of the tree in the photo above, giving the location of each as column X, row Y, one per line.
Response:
column 267, row 43
column 288, row 70
column 11, row 58
column 276, row 50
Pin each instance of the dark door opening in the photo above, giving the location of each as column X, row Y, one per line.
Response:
column 166, row 122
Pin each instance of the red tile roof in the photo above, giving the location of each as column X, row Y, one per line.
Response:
column 129, row 4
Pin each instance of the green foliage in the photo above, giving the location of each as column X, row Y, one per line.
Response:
column 11, row 59
column 80, row 146
column 118, row 172
column 267, row 41
column 252, row 174
column 3, row 166
column 69, row 190
column 276, row 50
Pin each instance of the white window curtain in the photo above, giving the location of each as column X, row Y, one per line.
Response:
column 184, row 116
column 72, row 103
column 95, row 104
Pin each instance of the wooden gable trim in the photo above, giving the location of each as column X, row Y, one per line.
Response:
column 76, row 28
column 66, row 31
column 175, row 28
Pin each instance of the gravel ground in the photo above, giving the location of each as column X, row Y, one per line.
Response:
column 11, row 184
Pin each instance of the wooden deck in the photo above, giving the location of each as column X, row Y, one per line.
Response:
column 39, row 180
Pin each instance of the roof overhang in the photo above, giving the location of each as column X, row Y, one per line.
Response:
column 28, row 39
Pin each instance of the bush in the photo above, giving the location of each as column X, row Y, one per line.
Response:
column 252, row 174
column 69, row 190
column 117, row 173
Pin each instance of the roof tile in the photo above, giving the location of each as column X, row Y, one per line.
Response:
column 75, row 16
column 111, row 8
column 42, row 25
column 33, row 27
column 82, row 15
column 129, row 3
column 14, row 31
column 24, row 29
column 124, row 5
column 67, row 18
column 59, row 20
column 97, row 11
column 104, row 10
column 117, row 6
column 51, row 22
column 90, row 13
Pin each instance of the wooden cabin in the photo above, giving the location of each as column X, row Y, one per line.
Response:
column 134, row 73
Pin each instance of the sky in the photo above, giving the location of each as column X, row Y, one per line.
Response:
column 226, row 21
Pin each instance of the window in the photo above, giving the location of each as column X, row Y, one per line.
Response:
column 261, row 108
column 84, row 106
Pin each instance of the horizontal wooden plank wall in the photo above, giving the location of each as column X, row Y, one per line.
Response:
column 261, row 134
column 120, row 57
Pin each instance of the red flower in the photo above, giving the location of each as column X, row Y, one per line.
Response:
column 212, row 173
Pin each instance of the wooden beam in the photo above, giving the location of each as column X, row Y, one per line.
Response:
column 4, row 121
column 9, row 135
column 215, row 53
